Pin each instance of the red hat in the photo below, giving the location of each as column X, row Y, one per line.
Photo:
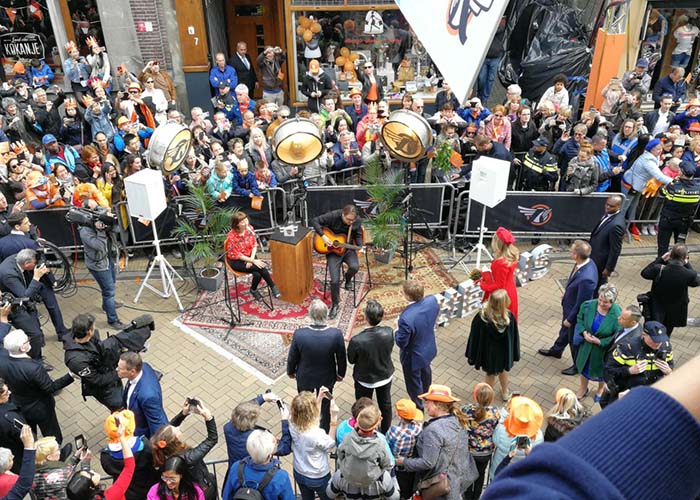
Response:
column 694, row 127
column 505, row 236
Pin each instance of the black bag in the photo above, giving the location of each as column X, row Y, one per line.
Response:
column 246, row 493
column 644, row 301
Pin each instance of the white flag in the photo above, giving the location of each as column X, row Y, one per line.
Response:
column 456, row 33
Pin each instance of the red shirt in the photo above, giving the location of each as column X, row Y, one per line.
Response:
column 118, row 489
column 240, row 245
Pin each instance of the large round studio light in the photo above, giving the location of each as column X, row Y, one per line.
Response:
column 297, row 141
column 407, row 135
column 168, row 146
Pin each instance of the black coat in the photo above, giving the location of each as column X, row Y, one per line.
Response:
column 32, row 388
column 316, row 357
column 669, row 290
column 245, row 75
column 194, row 457
column 94, row 364
column 370, row 352
column 9, row 434
column 606, row 242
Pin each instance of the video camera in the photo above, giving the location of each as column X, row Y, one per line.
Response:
column 88, row 218
column 15, row 302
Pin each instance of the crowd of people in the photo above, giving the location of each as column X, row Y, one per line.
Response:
column 58, row 150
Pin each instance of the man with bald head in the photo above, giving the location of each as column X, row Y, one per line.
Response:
column 222, row 73
column 245, row 70
column 606, row 238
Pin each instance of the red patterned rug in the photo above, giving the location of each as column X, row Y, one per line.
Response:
column 250, row 342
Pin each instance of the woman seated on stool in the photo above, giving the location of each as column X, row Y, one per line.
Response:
column 241, row 246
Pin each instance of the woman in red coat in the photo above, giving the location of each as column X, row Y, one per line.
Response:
column 502, row 275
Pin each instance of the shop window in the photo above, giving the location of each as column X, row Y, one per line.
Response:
column 86, row 23
column 342, row 41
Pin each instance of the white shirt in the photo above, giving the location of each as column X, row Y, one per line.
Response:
column 661, row 124
column 245, row 61
column 132, row 386
column 310, row 451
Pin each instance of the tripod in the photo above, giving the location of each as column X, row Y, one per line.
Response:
column 479, row 247
column 166, row 274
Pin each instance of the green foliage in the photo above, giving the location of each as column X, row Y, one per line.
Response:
column 205, row 241
column 384, row 188
column 443, row 152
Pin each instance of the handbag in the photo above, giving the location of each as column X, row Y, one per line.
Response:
column 438, row 485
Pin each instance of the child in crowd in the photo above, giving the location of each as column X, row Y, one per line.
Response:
column 220, row 183
column 264, row 176
column 557, row 94
column 483, row 418
column 364, row 462
column 402, row 440
column 582, row 173
column 244, row 183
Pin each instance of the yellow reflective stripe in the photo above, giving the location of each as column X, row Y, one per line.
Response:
column 532, row 166
column 683, row 198
column 624, row 360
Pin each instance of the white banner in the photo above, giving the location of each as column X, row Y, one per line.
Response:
column 456, row 33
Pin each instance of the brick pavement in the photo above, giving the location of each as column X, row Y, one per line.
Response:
column 192, row 369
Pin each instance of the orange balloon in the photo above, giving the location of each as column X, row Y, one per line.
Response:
column 348, row 66
column 349, row 25
column 340, row 61
column 305, row 22
column 344, row 51
column 300, row 30
column 308, row 36
column 354, row 56
column 315, row 27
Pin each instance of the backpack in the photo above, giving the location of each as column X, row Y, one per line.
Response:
column 246, row 493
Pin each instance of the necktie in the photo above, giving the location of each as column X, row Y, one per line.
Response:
column 125, row 395
column 573, row 271
column 245, row 61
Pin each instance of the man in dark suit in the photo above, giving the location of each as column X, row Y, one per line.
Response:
column 662, row 117
column 317, row 357
column 9, row 433
column 606, row 239
column 142, row 394
column 579, row 288
column 240, row 61
column 32, row 388
column 671, row 275
column 415, row 336
column 18, row 238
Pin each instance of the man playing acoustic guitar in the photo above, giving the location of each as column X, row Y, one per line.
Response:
column 334, row 229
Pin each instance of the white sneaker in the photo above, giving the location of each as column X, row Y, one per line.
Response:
column 645, row 230
column 652, row 230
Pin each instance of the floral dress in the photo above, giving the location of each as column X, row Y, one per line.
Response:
column 481, row 433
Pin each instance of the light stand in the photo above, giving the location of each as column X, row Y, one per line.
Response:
column 166, row 274
column 479, row 247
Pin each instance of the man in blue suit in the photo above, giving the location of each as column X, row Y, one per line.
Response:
column 142, row 394
column 415, row 337
column 580, row 287
column 19, row 238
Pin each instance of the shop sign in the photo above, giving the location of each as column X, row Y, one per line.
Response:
column 22, row 45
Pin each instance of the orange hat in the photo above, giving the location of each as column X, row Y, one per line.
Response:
column 314, row 67
column 693, row 102
column 440, row 393
column 407, row 409
column 121, row 121
column 111, row 428
column 18, row 68
column 133, row 85
column 35, row 179
column 524, row 418
column 355, row 91
column 694, row 127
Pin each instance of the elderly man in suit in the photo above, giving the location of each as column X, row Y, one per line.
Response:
column 32, row 388
column 606, row 238
column 142, row 394
column 241, row 62
column 317, row 357
column 415, row 337
column 579, row 288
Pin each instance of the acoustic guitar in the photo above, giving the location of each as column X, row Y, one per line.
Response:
column 339, row 243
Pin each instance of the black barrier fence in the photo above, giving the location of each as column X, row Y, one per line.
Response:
column 431, row 202
column 546, row 214
column 52, row 225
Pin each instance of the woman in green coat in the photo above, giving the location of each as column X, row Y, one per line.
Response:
column 596, row 324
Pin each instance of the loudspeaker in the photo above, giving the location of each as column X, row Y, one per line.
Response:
column 489, row 181
column 145, row 194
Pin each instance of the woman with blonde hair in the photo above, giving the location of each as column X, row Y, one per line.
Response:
column 311, row 444
column 498, row 126
column 566, row 415
column 258, row 148
column 494, row 342
column 52, row 475
column 483, row 418
column 502, row 274
column 443, row 445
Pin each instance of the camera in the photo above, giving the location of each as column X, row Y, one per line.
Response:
column 88, row 218
column 194, row 403
column 15, row 302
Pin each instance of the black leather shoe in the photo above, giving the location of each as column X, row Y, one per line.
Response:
column 118, row 325
column 549, row 352
column 333, row 312
column 572, row 370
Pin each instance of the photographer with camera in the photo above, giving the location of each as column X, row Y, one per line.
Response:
column 100, row 256
column 142, row 394
column 94, row 363
column 638, row 78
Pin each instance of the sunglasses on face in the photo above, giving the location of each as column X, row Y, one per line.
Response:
column 369, row 67
column 149, row 81
column 133, row 92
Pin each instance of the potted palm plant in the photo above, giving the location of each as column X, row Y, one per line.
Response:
column 386, row 219
column 203, row 233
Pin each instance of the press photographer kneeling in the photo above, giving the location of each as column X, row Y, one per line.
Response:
column 100, row 255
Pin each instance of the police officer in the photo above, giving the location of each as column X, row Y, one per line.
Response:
column 539, row 168
column 641, row 361
column 682, row 198
column 87, row 359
